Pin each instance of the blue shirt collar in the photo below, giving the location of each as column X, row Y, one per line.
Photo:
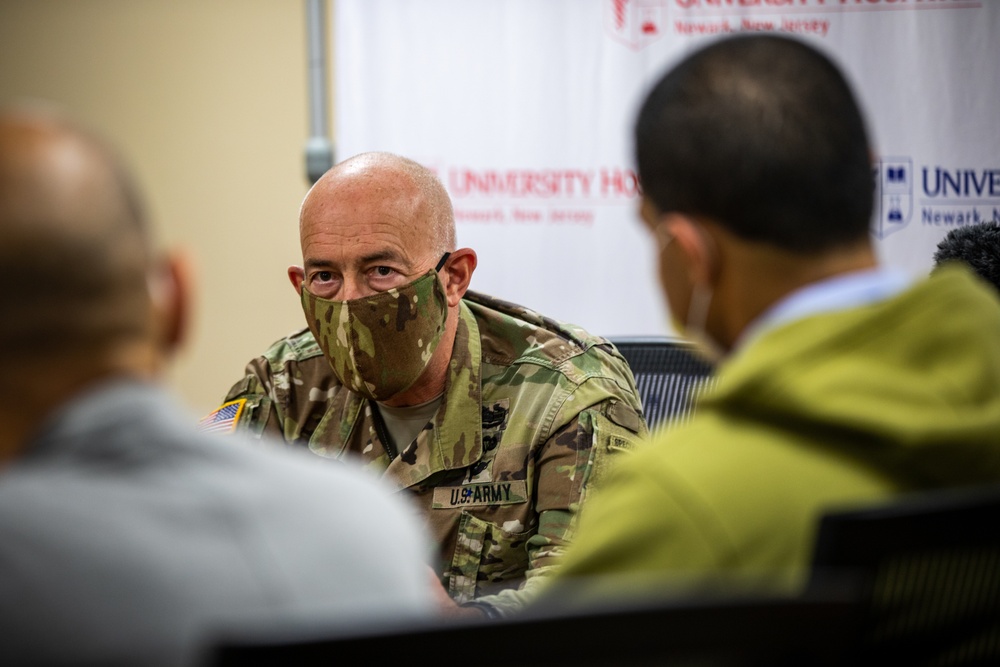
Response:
column 847, row 290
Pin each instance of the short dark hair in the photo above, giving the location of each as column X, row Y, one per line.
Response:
column 762, row 135
column 976, row 245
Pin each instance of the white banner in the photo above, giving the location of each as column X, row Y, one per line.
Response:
column 525, row 110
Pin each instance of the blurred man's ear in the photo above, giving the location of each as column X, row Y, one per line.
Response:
column 649, row 213
column 171, row 294
column 697, row 246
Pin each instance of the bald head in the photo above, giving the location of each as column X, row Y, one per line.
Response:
column 375, row 223
column 408, row 191
column 73, row 251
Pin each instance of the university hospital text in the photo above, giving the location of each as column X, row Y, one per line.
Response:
column 959, row 197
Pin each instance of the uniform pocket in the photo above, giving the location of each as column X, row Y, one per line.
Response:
column 611, row 441
column 487, row 560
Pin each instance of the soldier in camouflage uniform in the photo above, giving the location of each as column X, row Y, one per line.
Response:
column 498, row 422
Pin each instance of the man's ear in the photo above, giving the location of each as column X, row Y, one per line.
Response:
column 697, row 246
column 297, row 275
column 171, row 290
column 457, row 274
column 649, row 213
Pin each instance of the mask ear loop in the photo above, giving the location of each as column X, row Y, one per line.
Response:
column 701, row 299
column 440, row 264
column 663, row 236
column 697, row 316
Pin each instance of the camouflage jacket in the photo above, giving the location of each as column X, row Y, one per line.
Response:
column 532, row 416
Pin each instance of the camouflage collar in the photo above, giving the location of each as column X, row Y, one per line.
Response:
column 458, row 429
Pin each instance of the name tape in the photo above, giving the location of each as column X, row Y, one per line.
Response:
column 481, row 494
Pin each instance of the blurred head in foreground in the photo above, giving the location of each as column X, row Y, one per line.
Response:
column 128, row 536
column 82, row 295
column 756, row 176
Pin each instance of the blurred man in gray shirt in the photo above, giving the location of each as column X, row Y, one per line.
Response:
column 125, row 536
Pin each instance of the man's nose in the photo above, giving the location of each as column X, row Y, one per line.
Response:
column 353, row 287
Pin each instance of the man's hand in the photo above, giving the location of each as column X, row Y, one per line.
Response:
column 445, row 604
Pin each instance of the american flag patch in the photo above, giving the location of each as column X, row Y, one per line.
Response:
column 224, row 419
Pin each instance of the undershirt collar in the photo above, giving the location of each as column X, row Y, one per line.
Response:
column 404, row 424
column 843, row 291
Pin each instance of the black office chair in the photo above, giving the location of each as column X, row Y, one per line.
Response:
column 704, row 633
column 668, row 374
column 927, row 567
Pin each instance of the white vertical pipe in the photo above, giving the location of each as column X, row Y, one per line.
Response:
column 319, row 148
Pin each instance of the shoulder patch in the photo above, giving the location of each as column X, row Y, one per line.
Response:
column 224, row 419
column 623, row 415
column 245, row 386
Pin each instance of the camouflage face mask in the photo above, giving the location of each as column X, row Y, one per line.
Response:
column 379, row 345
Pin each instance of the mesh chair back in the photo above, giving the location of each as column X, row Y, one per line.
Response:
column 928, row 569
column 668, row 374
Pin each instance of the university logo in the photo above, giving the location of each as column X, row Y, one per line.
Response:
column 893, row 196
column 635, row 23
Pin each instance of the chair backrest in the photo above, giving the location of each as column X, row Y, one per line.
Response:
column 726, row 633
column 668, row 374
column 928, row 569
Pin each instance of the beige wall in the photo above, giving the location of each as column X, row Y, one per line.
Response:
column 207, row 101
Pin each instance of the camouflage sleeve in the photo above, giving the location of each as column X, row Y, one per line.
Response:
column 570, row 466
column 260, row 413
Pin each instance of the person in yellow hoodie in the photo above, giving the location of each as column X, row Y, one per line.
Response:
column 841, row 382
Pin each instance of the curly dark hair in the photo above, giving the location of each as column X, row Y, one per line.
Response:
column 976, row 245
